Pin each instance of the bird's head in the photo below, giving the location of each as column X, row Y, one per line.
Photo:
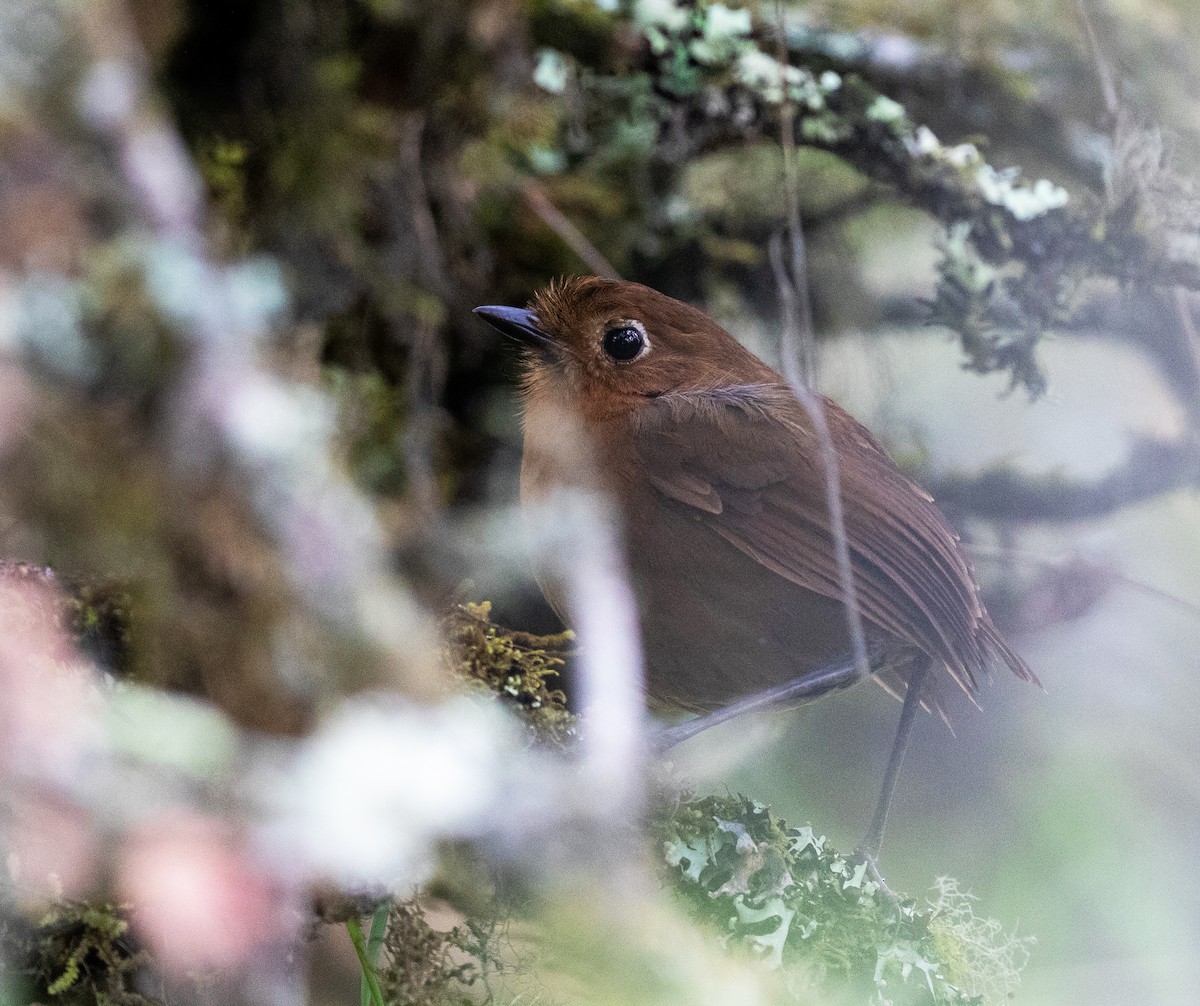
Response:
column 613, row 346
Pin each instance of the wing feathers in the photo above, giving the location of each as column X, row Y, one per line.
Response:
column 746, row 461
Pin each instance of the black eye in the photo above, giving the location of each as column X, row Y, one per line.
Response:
column 623, row 342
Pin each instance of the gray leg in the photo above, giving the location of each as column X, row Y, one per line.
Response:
column 811, row 686
column 869, row 847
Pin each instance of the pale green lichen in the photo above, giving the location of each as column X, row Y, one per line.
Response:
column 774, row 81
column 663, row 14
column 978, row 302
column 976, row 951
column 722, row 34
column 999, row 187
column 796, row 903
column 884, row 109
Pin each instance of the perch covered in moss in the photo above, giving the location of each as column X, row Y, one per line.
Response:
column 518, row 666
column 79, row 954
column 790, row 898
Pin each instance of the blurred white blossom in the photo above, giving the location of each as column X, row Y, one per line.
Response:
column 1025, row 202
column 374, row 791
column 270, row 420
column 666, row 14
column 550, row 74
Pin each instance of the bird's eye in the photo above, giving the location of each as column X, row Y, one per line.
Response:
column 624, row 342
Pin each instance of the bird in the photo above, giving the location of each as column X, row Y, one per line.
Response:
column 715, row 469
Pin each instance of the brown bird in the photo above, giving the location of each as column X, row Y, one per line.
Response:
column 717, row 471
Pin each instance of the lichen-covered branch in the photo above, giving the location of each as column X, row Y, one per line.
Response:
column 1016, row 252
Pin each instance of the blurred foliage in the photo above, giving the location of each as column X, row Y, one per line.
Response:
column 785, row 894
column 782, row 893
column 94, row 617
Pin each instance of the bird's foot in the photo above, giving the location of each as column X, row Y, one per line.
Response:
column 870, row 860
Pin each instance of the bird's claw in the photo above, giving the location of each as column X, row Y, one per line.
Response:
column 871, row 861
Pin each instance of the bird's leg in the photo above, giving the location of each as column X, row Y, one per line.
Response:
column 868, row 848
column 811, row 686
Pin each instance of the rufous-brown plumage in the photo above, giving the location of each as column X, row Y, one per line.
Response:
column 717, row 472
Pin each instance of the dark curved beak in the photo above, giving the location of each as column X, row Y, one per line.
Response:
column 516, row 323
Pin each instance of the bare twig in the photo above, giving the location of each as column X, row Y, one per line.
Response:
column 539, row 202
column 1104, row 74
column 1050, row 563
column 426, row 371
column 797, row 311
column 612, row 692
column 796, row 347
column 1183, row 308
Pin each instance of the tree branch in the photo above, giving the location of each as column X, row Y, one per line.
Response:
column 540, row 203
column 1153, row 467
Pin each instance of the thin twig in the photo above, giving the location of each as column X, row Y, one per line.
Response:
column 578, row 544
column 795, row 336
column 426, row 372
column 804, row 352
column 812, row 405
column 537, row 200
column 1054, row 564
column 1104, row 72
column 1191, row 337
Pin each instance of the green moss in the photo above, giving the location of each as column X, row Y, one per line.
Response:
column 521, row 668
column 80, row 956
column 372, row 419
column 223, row 164
column 94, row 615
column 98, row 618
column 423, row 966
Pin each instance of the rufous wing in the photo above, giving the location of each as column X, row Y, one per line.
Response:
column 747, row 461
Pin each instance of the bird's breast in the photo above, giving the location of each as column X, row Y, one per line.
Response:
column 716, row 623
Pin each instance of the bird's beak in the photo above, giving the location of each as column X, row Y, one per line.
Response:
column 518, row 323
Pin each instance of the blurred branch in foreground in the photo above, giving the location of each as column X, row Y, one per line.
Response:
column 758, row 890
